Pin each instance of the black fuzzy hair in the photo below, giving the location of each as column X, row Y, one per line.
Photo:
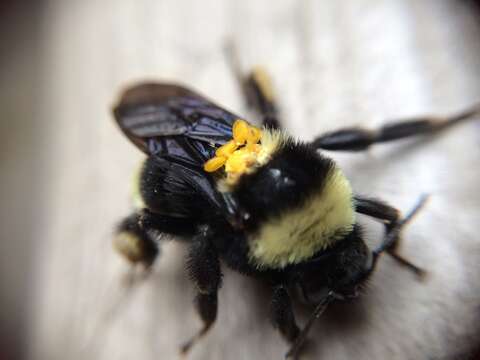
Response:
column 294, row 173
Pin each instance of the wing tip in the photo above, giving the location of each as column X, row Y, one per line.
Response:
column 149, row 92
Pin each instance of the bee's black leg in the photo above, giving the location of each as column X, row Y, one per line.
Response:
column 257, row 88
column 357, row 139
column 204, row 270
column 300, row 338
column 380, row 210
column 393, row 226
column 282, row 315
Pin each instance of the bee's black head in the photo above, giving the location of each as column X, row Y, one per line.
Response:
column 294, row 172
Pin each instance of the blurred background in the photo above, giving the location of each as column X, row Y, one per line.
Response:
column 65, row 169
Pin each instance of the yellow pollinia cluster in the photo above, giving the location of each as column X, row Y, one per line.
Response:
column 239, row 154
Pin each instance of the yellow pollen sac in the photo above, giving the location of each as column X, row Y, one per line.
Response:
column 239, row 154
column 214, row 163
column 240, row 131
column 239, row 161
column 254, row 135
column 253, row 148
column 227, row 149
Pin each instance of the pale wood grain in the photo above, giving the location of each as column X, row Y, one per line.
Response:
column 334, row 64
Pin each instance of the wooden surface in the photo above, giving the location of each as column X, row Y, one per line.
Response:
column 334, row 64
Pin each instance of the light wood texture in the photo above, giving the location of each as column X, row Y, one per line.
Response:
column 334, row 64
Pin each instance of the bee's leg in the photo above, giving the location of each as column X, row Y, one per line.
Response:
column 302, row 334
column 204, row 269
column 281, row 313
column 134, row 241
column 378, row 209
column 260, row 96
column 357, row 139
column 393, row 226
column 138, row 235
column 257, row 88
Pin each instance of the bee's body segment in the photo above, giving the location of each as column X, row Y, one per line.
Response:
column 295, row 236
column 269, row 206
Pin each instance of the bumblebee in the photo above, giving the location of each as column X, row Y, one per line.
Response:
column 266, row 204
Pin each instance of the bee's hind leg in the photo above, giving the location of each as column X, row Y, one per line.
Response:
column 138, row 236
column 135, row 242
column 282, row 315
column 203, row 267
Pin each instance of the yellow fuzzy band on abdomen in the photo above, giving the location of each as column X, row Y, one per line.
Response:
column 297, row 235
